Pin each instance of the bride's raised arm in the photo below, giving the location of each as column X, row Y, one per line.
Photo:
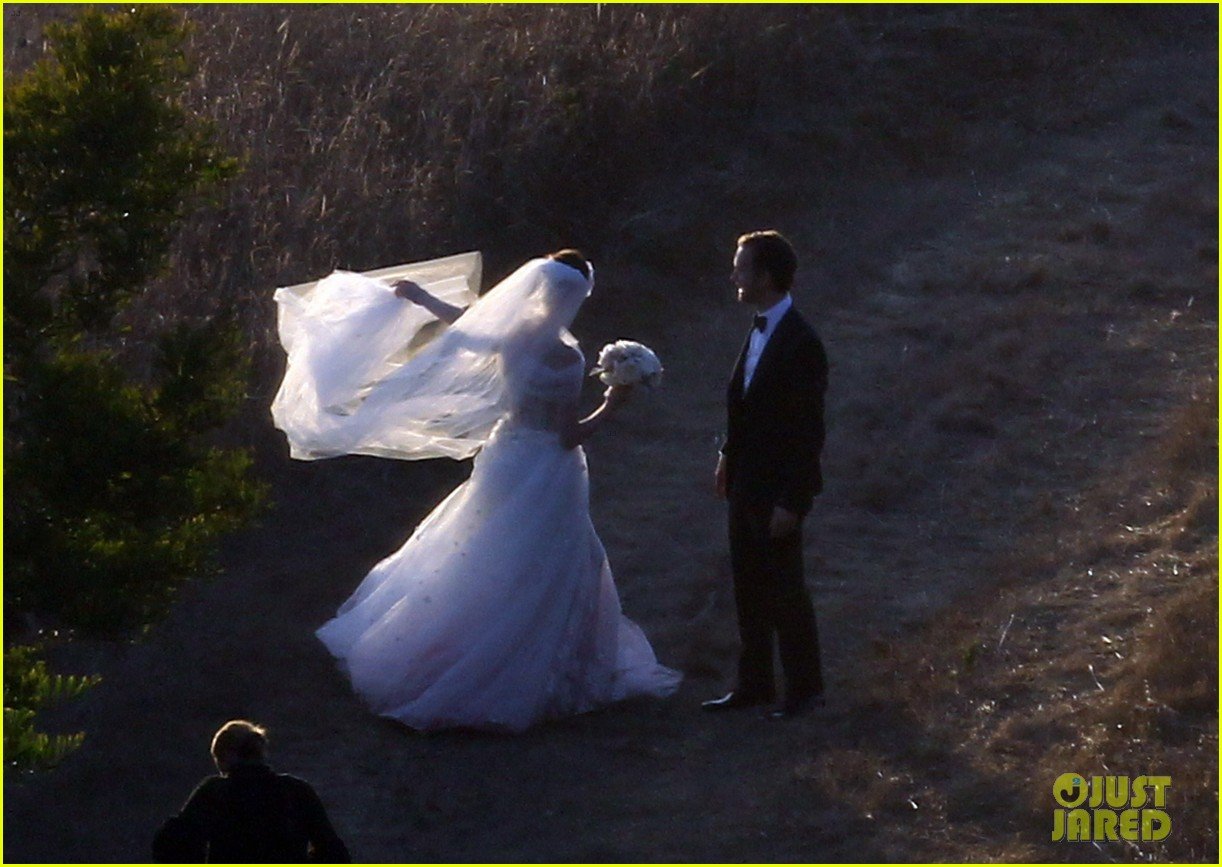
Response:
column 417, row 294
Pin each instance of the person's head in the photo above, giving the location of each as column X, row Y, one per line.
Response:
column 238, row 742
column 566, row 285
column 764, row 266
column 572, row 258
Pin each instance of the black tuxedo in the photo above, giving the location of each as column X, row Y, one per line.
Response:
column 773, row 442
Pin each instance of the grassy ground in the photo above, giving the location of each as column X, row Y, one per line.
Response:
column 1007, row 221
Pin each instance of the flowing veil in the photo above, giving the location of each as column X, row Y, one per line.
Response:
column 370, row 373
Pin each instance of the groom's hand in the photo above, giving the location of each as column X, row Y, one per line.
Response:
column 719, row 479
column 783, row 523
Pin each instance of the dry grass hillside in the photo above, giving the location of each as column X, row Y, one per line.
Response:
column 1007, row 218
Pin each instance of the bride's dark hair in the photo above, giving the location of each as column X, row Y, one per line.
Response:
column 572, row 258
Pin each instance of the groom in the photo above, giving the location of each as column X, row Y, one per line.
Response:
column 769, row 471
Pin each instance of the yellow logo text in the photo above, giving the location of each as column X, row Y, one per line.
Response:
column 1110, row 808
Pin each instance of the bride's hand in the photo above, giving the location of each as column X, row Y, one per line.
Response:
column 581, row 430
column 410, row 290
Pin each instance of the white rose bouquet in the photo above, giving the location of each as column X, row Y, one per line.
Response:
column 626, row 362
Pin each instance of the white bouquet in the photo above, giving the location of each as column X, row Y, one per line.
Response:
column 626, row 362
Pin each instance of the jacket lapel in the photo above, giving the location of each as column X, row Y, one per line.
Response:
column 739, row 374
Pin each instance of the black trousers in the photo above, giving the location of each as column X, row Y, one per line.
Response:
column 771, row 598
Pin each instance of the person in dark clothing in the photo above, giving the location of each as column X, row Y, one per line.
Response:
column 249, row 813
column 769, row 471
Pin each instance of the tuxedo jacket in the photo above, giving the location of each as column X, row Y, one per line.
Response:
column 774, row 431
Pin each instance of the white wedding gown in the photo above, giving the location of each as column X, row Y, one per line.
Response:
column 500, row 611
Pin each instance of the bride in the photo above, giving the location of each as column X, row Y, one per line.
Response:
column 500, row 611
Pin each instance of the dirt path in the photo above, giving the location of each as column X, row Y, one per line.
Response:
column 959, row 399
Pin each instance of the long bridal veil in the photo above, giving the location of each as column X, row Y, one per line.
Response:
column 501, row 609
column 370, row 373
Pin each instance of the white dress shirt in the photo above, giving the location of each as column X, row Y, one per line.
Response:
column 759, row 339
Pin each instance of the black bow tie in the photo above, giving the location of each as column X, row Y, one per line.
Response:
column 761, row 322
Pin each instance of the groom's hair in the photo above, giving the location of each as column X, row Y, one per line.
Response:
column 771, row 251
column 240, row 741
column 572, row 258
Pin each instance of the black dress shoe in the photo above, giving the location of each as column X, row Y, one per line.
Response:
column 797, row 706
column 735, row 701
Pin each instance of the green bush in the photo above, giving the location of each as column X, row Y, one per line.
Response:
column 102, row 161
column 28, row 686
column 114, row 494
